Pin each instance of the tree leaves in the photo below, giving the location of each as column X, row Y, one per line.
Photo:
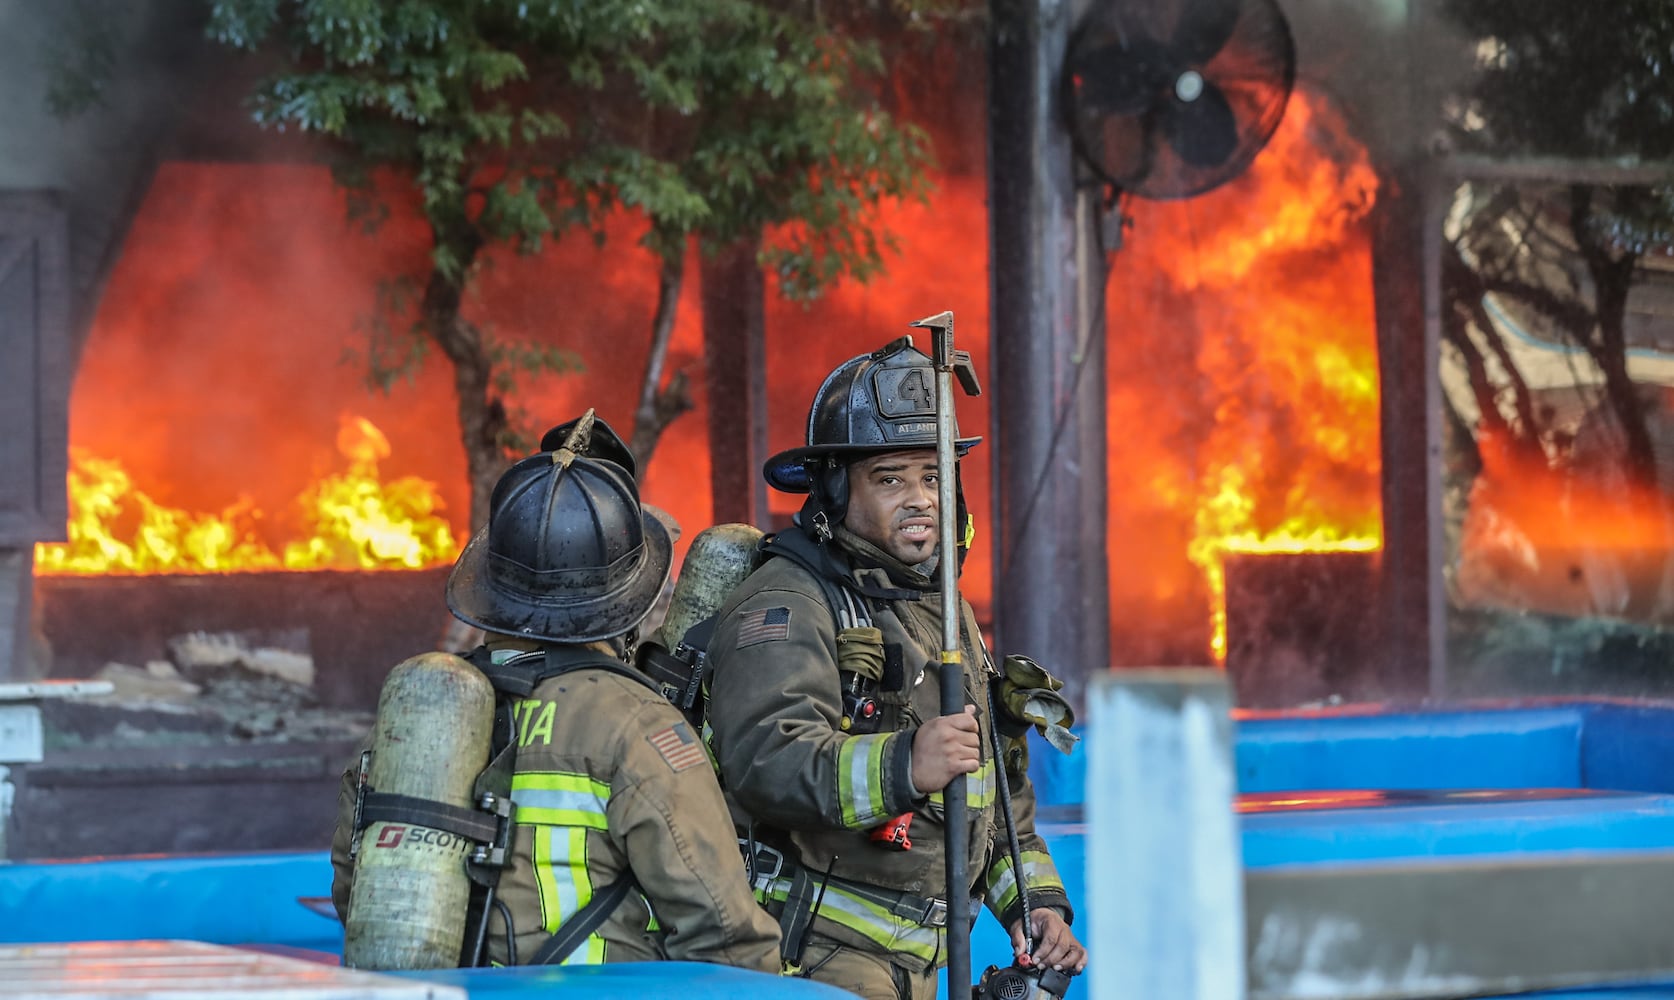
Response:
column 1549, row 83
column 711, row 117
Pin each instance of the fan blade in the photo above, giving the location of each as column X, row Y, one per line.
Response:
column 1204, row 30
column 1119, row 77
column 1203, row 131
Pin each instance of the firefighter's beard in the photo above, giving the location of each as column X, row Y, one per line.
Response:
column 915, row 538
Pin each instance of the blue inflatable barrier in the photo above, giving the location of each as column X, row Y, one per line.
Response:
column 1318, row 788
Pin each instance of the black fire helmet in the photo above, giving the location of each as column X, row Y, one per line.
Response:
column 870, row 404
column 568, row 555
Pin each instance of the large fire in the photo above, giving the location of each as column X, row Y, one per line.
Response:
column 1243, row 346
column 353, row 521
column 1242, row 376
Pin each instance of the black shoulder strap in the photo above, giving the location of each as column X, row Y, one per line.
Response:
column 819, row 560
column 583, row 922
column 802, row 550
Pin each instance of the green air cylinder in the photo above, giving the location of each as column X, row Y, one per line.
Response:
column 411, row 893
column 718, row 561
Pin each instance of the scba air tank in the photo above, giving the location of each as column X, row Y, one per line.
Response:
column 411, row 894
column 717, row 562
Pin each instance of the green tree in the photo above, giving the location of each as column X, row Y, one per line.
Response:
column 521, row 122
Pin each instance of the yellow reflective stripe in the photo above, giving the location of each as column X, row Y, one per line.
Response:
column 560, row 808
column 558, row 798
column 708, row 737
column 860, row 779
column 560, row 863
column 980, row 788
column 591, row 951
column 872, row 921
column 1038, row 870
column 552, row 891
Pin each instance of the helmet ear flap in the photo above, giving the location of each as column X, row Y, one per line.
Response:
column 828, row 495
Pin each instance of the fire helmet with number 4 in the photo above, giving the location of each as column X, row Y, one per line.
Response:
column 869, row 405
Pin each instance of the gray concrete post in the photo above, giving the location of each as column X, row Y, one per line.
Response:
column 22, row 738
column 1164, row 866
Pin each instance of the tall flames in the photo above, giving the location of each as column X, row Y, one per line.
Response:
column 1242, row 378
column 1243, row 345
column 352, row 520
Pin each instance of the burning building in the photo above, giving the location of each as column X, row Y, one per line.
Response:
column 217, row 430
column 1268, row 399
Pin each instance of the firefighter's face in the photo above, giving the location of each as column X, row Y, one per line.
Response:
column 892, row 503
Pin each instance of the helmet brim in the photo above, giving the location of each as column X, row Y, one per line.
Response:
column 473, row 599
column 787, row 471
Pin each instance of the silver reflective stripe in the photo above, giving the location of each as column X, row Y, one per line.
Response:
column 560, row 799
column 860, row 779
column 1038, row 869
column 875, row 923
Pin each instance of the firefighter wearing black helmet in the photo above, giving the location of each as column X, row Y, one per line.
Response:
column 608, row 779
column 824, row 709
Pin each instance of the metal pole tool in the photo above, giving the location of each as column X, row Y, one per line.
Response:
column 950, row 363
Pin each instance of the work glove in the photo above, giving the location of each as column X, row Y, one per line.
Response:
column 1030, row 695
column 860, row 651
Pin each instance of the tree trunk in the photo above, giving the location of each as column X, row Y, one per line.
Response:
column 482, row 414
column 1612, row 277
column 735, row 372
column 659, row 405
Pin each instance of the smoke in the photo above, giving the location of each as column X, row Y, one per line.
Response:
column 1388, row 63
column 95, row 91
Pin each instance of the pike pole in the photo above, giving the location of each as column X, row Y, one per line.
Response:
column 948, row 362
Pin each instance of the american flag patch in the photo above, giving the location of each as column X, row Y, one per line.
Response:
column 765, row 625
column 680, row 749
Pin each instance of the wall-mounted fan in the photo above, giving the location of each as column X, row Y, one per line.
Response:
column 1169, row 98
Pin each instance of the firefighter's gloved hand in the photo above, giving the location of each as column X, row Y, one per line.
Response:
column 1029, row 694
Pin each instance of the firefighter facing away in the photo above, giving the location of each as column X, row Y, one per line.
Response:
column 825, row 715
column 608, row 779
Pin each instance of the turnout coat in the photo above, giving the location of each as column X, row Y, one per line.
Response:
column 609, row 777
column 815, row 791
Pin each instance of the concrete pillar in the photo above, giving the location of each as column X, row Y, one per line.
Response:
column 1047, row 359
column 1165, row 885
column 22, row 735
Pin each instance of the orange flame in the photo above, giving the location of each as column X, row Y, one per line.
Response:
column 1261, row 296
column 357, row 521
column 1575, row 542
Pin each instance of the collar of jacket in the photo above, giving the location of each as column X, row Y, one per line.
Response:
column 506, row 647
column 863, row 555
column 830, row 563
